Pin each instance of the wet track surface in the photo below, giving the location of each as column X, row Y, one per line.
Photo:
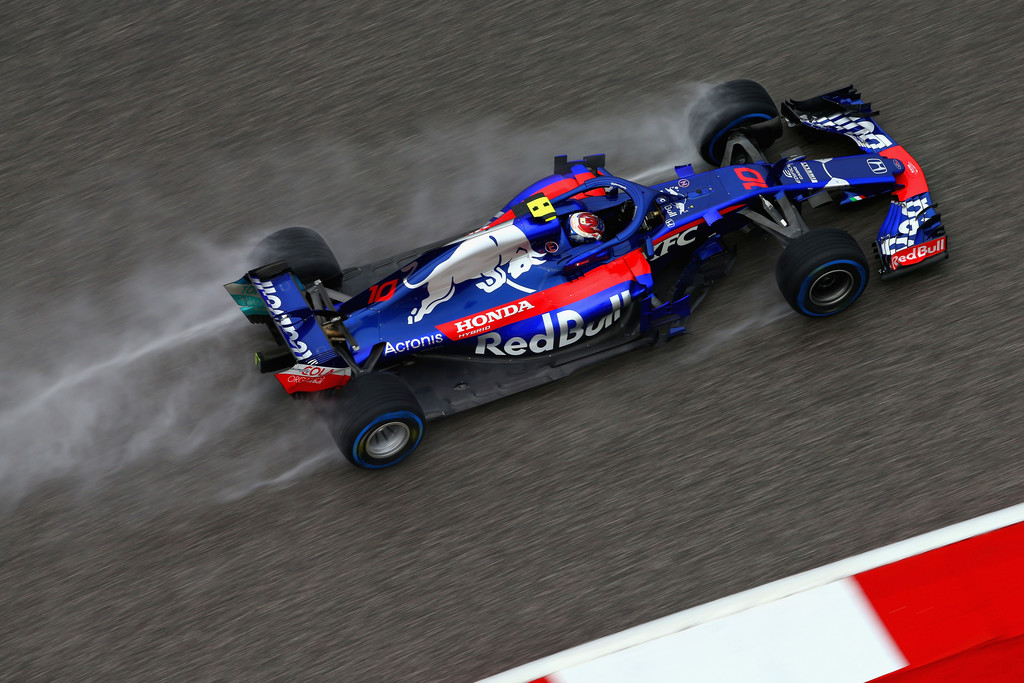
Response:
column 168, row 514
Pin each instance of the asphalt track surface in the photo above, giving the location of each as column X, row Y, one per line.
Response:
column 167, row 514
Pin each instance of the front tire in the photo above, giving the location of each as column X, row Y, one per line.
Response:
column 730, row 106
column 822, row 272
column 376, row 420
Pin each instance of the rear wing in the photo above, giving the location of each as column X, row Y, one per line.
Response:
column 912, row 234
column 288, row 309
column 271, row 294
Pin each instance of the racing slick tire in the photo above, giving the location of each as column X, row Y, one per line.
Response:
column 730, row 106
column 822, row 272
column 376, row 420
column 305, row 252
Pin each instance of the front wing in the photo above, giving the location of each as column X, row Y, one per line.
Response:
column 912, row 234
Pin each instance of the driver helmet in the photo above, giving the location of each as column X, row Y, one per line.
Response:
column 584, row 227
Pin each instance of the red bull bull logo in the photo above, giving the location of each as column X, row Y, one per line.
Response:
column 490, row 260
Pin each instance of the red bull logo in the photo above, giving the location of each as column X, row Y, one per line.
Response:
column 916, row 254
column 561, row 329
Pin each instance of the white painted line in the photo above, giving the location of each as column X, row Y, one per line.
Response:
column 829, row 633
column 777, row 590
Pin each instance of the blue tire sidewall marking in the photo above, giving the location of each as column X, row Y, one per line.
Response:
column 730, row 126
column 402, row 414
column 802, row 296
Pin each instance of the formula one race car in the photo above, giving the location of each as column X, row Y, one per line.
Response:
column 578, row 267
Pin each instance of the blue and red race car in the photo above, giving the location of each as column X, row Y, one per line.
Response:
column 578, row 267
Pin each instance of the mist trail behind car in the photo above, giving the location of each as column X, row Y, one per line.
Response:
column 132, row 392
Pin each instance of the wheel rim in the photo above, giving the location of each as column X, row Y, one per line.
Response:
column 831, row 287
column 387, row 440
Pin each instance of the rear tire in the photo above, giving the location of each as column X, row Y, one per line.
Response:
column 730, row 106
column 305, row 252
column 376, row 420
column 822, row 272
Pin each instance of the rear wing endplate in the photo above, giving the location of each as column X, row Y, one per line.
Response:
column 288, row 309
